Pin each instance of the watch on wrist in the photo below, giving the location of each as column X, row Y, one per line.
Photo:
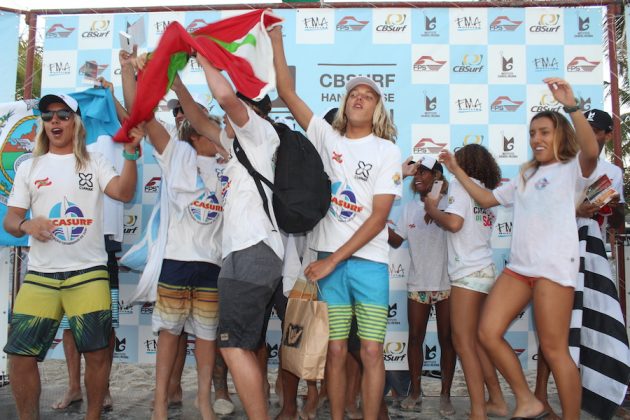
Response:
column 570, row 109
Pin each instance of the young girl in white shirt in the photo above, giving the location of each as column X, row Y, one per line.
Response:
column 427, row 284
column 544, row 257
column 472, row 275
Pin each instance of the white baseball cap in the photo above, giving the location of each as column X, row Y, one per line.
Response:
column 62, row 98
column 362, row 80
column 198, row 98
column 428, row 162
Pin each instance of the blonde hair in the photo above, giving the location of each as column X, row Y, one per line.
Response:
column 186, row 130
column 382, row 125
column 79, row 149
column 565, row 144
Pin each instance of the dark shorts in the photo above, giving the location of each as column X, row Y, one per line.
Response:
column 247, row 282
column 279, row 302
column 83, row 295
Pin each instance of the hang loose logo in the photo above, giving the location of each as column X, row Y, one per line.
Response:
column 293, row 335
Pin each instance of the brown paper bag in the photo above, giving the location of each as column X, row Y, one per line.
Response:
column 305, row 337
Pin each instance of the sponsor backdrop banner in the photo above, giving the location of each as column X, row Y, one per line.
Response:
column 450, row 77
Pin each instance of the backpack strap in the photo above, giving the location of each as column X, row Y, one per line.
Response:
column 258, row 178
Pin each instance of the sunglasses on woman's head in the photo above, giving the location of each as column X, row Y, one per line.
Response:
column 62, row 114
column 177, row 110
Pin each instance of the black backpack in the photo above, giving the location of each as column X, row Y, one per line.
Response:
column 301, row 188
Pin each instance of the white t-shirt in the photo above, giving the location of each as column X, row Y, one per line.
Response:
column 469, row 248
column 427, row 247
column 52, row 188
column 245, row 220
column 544, row 233
column 358, row 169
column 194, row 231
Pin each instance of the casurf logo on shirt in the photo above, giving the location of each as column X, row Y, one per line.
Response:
column 70, row 222
column 206, row 208
column 343, row 202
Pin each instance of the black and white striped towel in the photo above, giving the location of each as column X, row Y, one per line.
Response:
column 598, row 341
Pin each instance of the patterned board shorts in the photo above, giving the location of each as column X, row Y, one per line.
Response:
column 83, row 295
column 187, row 299
column 429, row 298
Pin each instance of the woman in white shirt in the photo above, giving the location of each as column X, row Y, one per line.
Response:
column 544, row 258
column 472, row 275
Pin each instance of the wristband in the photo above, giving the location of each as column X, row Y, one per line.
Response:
column 21, row 223
column 131, row 156
column 571, row 109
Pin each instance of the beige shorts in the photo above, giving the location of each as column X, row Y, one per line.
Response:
column 480, row 281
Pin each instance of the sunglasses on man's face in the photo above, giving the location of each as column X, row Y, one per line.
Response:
column 177, row 110
column 62, row 114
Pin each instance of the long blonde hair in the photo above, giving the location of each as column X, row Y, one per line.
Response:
column 565, row 144
column 382, row 125
column 79, row 149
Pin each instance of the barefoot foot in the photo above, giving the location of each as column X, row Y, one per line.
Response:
column 69, row 398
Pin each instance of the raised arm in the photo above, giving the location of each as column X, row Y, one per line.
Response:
column 223, row 93
column 481, row 195
column 121, row 112
column 123, row 186
column 128, row 75
column 285, row 83
column 198, row 119
column 589, row 150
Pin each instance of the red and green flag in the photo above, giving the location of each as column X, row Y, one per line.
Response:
column 239, row 45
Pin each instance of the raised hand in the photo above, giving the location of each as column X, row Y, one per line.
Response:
column 409, row 168
column 126, row 58
column 561, row 90
column 448, row 160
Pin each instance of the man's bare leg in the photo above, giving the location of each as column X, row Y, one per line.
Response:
column 175, row 381
column 25, row 386
column 204, row 355
column 248, row 380
column 96, row 377
column 167, row 352
column 73, row 362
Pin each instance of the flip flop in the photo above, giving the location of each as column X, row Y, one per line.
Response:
column 536, row 417
column 223, row 407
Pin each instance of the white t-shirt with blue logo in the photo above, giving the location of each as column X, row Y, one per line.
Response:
column 245, row 220
column 52, row 188
column 544, row 233
column 427, row 247
column 469, row 248
column 195, row 204
column 358, row 169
